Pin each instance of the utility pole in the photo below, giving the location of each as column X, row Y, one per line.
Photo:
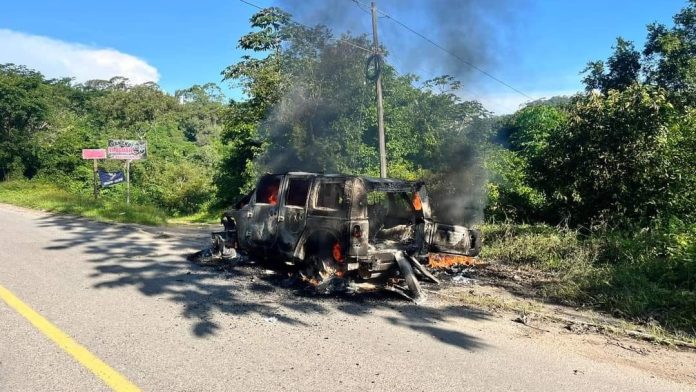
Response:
column 380, row 106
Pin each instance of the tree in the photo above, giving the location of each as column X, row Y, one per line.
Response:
column 24, row 112
column 671, row 56
column 202, row 111
column 531, row 129
column 260, row 80
column 129, row 109
column 608, row 162
column 621, row 70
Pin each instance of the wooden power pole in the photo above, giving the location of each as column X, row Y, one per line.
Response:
column 380, row 106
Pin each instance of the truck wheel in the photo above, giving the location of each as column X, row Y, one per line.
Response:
column 414, row 288
column 320, row 268
column 320, row 272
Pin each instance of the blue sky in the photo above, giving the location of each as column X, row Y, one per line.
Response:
column 180, row 43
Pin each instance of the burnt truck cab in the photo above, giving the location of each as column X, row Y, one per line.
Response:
column 340, row 225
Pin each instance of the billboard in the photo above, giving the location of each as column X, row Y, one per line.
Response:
column 127, row 149
column 93, row 153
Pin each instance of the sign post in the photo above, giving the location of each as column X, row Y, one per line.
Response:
column 94, row 178
column 128, row 182
column 94, row 154
column 127, row 150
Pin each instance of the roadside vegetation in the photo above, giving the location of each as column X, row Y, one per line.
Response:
column 49, row 197
column 598, row 188
column 646, row 276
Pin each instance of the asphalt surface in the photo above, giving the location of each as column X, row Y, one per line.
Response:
column 130, row 297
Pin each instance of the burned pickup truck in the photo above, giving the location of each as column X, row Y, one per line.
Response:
column 343, row 232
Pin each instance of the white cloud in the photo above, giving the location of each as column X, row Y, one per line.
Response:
column 55, row 59
column 506, row 103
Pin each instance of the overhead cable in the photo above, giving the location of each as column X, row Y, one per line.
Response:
column 456, row 56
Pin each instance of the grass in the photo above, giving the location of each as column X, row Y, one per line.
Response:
column 492, row 302
column 646, row 276
column 49, row 197
column 206, row 216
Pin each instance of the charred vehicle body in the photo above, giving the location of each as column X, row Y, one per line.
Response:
column 342, row 231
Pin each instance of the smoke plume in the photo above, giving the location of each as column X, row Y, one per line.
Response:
column 479, row 32
column 472, row 30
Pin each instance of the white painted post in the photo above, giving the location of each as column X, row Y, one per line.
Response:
column 128, row 182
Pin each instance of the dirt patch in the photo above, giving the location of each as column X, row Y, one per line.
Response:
column 658, row 360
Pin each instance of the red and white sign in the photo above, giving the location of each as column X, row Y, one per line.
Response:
column 93, row 153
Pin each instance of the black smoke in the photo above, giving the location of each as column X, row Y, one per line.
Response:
column 479, row 32
column 475, row 31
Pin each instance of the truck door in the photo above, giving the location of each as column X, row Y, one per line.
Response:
column 293, row 212
column 242, row 216
column 263, row 214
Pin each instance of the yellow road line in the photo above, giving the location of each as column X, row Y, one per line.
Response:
column 111, row 377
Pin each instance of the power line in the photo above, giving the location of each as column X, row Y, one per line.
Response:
column 367, row 11
column 447, row 51
column 353, row 44
column 357, row 3
column 350, row 43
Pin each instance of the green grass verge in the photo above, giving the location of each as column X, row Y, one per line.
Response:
column 646, row 275
column 49, row 197
column 206, row 216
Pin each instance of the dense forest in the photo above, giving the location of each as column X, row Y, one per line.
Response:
column 46, row 123
column 605, row 179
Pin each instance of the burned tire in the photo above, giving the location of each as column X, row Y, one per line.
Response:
column 320, row 268
column 318, row 261
column 321, row 272
column 412, row 283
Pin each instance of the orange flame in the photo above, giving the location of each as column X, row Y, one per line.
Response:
column 312, row 281
column 417, row 204
column 336, row 251
column 442, row 261
column 273, row 196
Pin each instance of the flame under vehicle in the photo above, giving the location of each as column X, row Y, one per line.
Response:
column 343, row 232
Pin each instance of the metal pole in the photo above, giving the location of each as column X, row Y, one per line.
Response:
column 94, row 178
column 380, row 106
column 128, row 182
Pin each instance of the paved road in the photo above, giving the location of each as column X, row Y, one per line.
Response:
column 131, row 299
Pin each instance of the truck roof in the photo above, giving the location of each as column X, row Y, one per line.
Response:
column 373, row 183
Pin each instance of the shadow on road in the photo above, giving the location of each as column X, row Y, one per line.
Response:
column 127, row 256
